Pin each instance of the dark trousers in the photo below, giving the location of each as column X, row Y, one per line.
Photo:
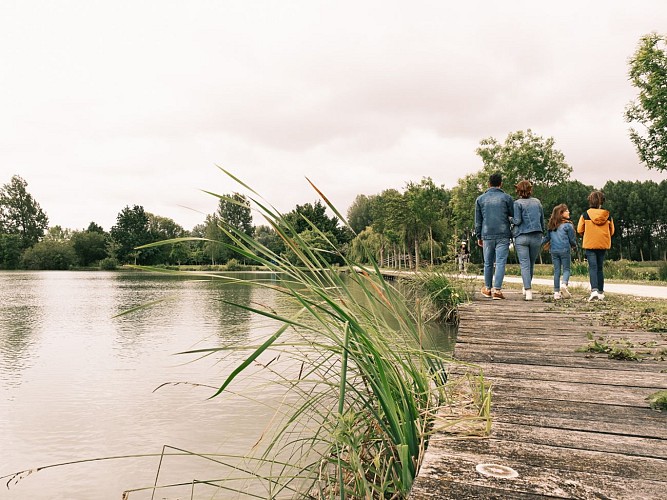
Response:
column 595, row 260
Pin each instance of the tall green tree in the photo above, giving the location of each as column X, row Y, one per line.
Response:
column 360, row 213
column 213, row 248
column 20, row 214
column 10, row 251
column 427, row 208
column 130, row 231
column 234, row 211
column 648, row 73
column 91, row 245
column 524, row 155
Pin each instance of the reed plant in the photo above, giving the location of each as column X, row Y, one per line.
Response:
column 360, row 392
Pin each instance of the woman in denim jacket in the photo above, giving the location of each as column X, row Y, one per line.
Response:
column 560, row 236
column 528, row 231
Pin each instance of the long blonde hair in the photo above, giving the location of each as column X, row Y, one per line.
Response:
column 557, row 218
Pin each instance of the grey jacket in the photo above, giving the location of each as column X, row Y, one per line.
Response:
column 493, row 210
column 528, row 217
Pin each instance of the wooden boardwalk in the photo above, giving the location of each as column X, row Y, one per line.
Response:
column 569, row 424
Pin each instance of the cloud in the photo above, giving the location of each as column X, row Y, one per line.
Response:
column 110, row 104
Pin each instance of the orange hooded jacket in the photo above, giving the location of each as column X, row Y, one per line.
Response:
column 597, row 228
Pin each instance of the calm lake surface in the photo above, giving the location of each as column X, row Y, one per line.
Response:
column 78, row 382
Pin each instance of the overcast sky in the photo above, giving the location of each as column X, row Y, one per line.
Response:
column 105, row 104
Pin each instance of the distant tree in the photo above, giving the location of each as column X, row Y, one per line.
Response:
column 648, row 73
column 427, row 206
column 524, row 155
column 268, row 237
column 573, row 193
column 304, row 217
column 10, row 251
column 90, row 246
column 234, row 211
column 131, row 230
column 57, row 233
column 360, row 213
column 462, row 208
column 20, row 214
column 388, row 221
column 95, row 228
column 49, row 254
column 213, row 248
column 161, row 229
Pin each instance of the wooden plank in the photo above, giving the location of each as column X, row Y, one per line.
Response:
column 565, row 391
column 491, row 354
column 457, row 474
column 602, row 425
column 581, row 440
column 601, row 376
column 613, row 464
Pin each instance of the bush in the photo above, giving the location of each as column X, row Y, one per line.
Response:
column 50, row 255
column 233, row 265
column 662, row 271
column 109, row 264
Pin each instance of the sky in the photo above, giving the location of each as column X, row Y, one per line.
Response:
column 108, row 104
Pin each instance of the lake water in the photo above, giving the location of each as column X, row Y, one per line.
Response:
column 79, row 382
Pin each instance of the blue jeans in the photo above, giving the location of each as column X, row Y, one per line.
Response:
column 595, row 260
column 495, row 251
column 561, row 259
column 527, row 249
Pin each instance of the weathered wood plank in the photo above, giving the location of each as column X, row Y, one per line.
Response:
column 455, row 474
column 602, row 376
column 491, row 354
column 581, row 440
column 613, row 464
column 601, row 425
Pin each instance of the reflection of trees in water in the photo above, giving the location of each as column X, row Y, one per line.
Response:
column 199, row 310
column 21, row 316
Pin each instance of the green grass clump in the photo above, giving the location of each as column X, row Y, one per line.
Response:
column 658, row 400
column 360, row 403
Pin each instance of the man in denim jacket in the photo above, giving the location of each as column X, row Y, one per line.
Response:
column 493, row 211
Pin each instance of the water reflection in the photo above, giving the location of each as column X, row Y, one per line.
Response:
column 20, row 317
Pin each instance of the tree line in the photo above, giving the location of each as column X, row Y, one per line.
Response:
column 420, row 225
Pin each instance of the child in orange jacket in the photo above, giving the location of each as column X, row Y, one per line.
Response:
column 597, row 228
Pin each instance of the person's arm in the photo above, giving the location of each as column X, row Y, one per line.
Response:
column 515, row 214
column 612, row 229
column 546, row 239
column 580, row 225
column 542, row 219
column 569, row 229
column 478, row 222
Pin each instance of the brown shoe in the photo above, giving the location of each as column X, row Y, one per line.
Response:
column 486, row 292
column 498, row 295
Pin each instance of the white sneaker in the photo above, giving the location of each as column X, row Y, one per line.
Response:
column 564, row 291
column 557, row 296
column 529, row 294
column 523, row 291
column 601, row 296
column 594, row 296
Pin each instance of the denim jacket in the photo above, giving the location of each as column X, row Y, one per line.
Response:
column 528, row 217
column 493, row 210
column 562, row 239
